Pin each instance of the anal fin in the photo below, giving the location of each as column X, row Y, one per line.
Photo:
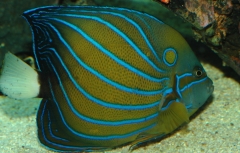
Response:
column 142, row 138
column 52, row 131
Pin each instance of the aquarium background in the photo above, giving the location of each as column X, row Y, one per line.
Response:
column 216, row 128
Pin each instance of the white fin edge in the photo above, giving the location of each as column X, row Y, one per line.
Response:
column 18, row 80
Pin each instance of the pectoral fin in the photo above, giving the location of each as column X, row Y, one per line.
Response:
column 168, row 120
column 173, row 117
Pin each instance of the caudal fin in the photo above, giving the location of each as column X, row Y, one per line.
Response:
column 18, row 80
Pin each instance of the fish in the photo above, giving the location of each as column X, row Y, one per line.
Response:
column 111, row 76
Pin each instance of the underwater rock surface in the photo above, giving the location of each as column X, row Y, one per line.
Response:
column 216, row 23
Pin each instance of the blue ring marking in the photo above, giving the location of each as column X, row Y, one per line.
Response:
column 105, row 51
column 102, row 77
column 119, row 32
column 117, row 136
column 91, row 120
column 164, row 57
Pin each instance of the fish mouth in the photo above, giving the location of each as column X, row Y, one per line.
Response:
column 210, row 88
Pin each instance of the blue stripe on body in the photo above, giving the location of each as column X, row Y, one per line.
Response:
column 99, row 101
column 37, row 12
column 119, row 32
column 91, row 120
column 107, row 123
column 146, row 24
column 49, row 127
column 45, row 32
column 116, row 30
column 83, row 135
column 113, row 9
column 124, row 36
column 53, row 136
column 105, row 51
column 41, row 40
column 47, row 37
column 104, row 78
column 139, row 29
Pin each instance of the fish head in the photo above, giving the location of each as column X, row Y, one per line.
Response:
column 189, row 83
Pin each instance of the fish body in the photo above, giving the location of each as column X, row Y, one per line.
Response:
column 111, row 76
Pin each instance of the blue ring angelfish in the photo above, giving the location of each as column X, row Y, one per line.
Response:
column 105, row 77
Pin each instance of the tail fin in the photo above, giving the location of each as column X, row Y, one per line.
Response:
column 18, row 80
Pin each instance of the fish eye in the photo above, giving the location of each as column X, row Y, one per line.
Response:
column 197, row 71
